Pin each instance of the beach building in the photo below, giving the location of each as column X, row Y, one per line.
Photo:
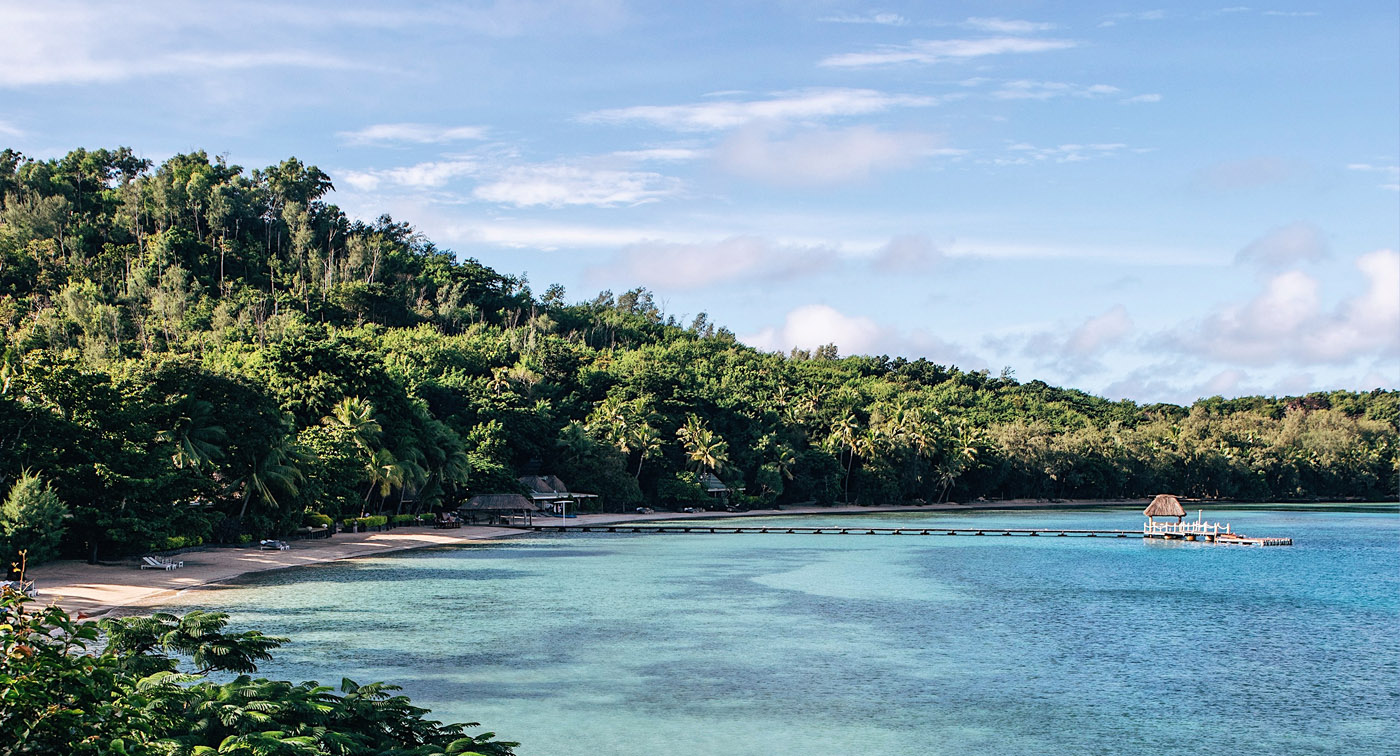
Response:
column 1164, row 505
column 550, row 494
column 498, row 509
column 1168, row 506
column 716, row 488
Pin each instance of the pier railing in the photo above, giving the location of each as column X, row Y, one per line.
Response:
column 1197, row 528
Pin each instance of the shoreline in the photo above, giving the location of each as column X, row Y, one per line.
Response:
column 98, row 590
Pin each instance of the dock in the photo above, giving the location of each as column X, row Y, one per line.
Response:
column 1210, row 532
column 828, row 530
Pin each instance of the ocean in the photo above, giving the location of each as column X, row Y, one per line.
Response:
column 780, row 645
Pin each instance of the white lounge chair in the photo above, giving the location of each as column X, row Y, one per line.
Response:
column 269, row 544
column 156, row 563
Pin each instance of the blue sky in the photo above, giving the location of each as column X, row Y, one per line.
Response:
column 1156, row 202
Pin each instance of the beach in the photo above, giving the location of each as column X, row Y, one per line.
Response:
column 97, row 590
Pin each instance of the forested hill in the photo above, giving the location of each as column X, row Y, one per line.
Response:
column 196, row 352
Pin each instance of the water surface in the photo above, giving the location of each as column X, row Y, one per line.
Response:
column 779, row 645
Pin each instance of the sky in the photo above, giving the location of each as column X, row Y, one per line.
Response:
column 1153, row 202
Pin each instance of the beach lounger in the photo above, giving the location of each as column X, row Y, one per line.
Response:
column 269, row 544
column 156, row 563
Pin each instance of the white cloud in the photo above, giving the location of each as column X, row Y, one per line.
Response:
column 1287, row 322
column 64, row 42
column 884, row 19
column 1100, row 331
column 662, row 154
column 673, row 265
column 421, row 176
column 1285, row 246
column 1023, row 153
column 1390, row 173
column 819, row 156
column 1007, row 26
column 907, row 254
column 1072, row 351
column 804, row 104
column 1045, row 90
column 416, row 133
column 1113, row 19
column 937, row 51
column 559, row 185
column 813, row 325
column 8, row 129
column 1150, row 97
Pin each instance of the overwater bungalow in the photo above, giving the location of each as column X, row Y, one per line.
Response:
column 1166, row 505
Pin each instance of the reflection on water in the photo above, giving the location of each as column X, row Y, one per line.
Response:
column 779, row 645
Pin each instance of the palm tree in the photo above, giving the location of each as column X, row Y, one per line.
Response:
column 646, row 441
column 844, row 433
column 384, row 473
column 355, row 416
column 196, row 436
column 703, row 446
column 272, row 472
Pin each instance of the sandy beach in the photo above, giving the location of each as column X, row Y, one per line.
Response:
column 95, row 590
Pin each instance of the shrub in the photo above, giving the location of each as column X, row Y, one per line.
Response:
column 31, row 519
column 404, row 519
column 316, row 520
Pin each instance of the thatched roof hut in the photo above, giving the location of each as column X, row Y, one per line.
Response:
column 1165, row 505
column 498, row 503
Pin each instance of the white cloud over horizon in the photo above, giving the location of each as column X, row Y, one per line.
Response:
column 797, row 105
column 560, row 185
column 928, row 52
column 412, row 133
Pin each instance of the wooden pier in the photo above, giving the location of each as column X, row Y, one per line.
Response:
column 829, row 530
column 1210, row 532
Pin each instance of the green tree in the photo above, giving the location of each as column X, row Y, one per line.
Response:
column 31, row 520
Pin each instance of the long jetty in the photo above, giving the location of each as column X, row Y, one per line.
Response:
column 1159, row 531
column 828, row 530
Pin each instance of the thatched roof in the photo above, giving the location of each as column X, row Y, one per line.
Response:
column 712, row 484
column 544, row 484
column 1165, row 505
column 497, row 503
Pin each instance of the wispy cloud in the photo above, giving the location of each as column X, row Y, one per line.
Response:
column 1113, row 19
column 10, row 130
column 937, row 51
column 673, row 265
column 1025, row 89
column 1072, row 350
column 560, row 185
column 884, row 19
column 812, row 325
column 1023, row 153
column 1390, row 174
column 413, row 133
column 1150, row 97
column 806, row 104
column 1007, row 26
column 427, row 175
column 1286, row 246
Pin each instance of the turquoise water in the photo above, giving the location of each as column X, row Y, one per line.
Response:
column 778, row 645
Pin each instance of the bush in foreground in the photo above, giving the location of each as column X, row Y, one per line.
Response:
column 118, row 687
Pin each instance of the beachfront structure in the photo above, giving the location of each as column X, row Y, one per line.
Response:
column 498, row 508
column 549, row 493
column 715, row 488
column 1164, row 505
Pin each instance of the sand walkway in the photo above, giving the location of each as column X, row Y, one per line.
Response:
column 97, row 589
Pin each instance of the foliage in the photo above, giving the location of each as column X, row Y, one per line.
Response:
column 31, row 519
column 166, row 685
column 194, row 352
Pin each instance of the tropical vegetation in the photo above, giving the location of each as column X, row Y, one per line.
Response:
column 193, row 352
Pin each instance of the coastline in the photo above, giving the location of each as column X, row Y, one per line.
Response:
column 98, row 590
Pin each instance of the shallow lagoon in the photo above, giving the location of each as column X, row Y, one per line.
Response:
column 777, row 645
